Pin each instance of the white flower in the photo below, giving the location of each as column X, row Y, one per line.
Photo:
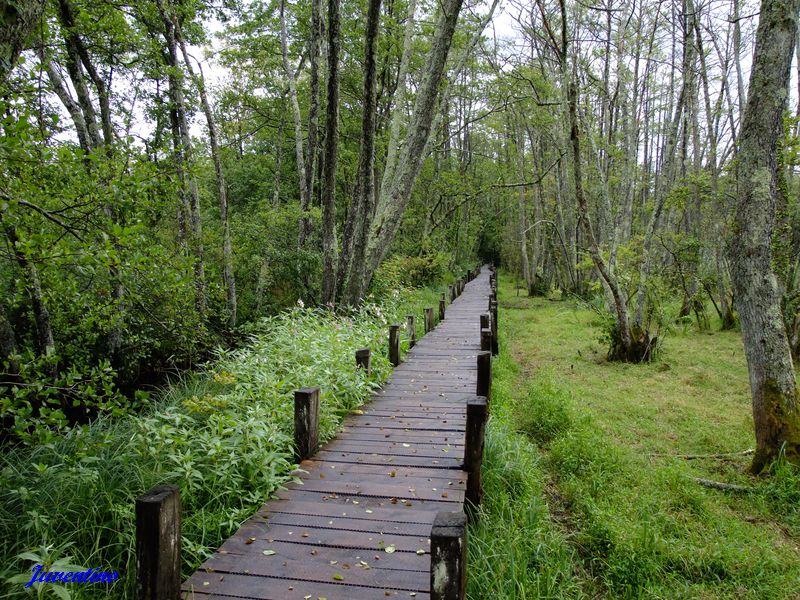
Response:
column 300, row 303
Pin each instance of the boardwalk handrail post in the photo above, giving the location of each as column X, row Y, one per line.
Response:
column 363, row 359
column 306, row 422
column 486, row 339
column 158, row 544
column 441, row 307
column 394, row 344
column 449, row 556
column 451, row 293
column 493, row 312
column 428, row 320
column 411, row 331
column 477, row 413
column 484, row 387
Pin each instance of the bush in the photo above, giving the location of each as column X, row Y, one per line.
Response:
column 411, row 271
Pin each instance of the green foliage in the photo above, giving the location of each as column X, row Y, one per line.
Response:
column 411, row 271
column 611, row 437
column 223, row 436
column 543, row 414
column 36, row 407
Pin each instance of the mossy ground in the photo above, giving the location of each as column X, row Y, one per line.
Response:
column 588, row 490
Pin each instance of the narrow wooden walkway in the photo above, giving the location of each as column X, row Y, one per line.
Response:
column 358, row 528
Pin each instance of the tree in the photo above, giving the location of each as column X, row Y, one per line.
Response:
column 776, row 406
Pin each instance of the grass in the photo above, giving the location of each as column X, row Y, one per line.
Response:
column 587, row 495
column 224, row 436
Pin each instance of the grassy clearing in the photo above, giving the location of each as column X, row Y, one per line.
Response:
column 223, row 436
column 586, row 493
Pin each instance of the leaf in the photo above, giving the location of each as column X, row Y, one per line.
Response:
column 338, row 577
column 390, row 549
column 268, row 552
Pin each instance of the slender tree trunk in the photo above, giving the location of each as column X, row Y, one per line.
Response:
column 228, row 279
column 184, row 155
column 298, row 120
column 394, row 198
column 276, row 180
column 776, row 408
column 354, row 240
column 313, row 116
column 329, row 245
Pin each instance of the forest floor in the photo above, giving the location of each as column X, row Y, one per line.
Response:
column 591, row 469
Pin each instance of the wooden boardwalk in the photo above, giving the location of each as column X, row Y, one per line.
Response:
column 359, row 525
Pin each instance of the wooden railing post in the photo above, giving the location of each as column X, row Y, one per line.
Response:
column 306, row 422
column 477, row 413
column 484, row 387
column 441, row 307
column 451, row 293
column 449, row 556
column 428, row 320
column 363, row 359
column 158, row 544
column 411, row 331
column 493, row 312
column 394, row 344
column 486, row 339
column 469, row 275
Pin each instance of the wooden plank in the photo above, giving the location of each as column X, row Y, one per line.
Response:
column 396, row 464
column 216, row 585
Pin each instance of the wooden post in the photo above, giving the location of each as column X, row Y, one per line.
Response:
column 484, row 387
column 306, row 422
column 451, row 293
column 394, row 344
column 158, row 544
column 411, row 331
column 485, row 321
column 469, row 275
column 441, row 307
column 428, row 320
column 493, row 312
column 449, row 556
column 363, row 359
column 486, row 339
column 477, row 413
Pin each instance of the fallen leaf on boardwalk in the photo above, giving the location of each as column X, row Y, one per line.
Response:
column 420, row 551
column 338, row 577
column 250, row 540
column 358, row 412
column 406, row 445
column 389, row 549
column 268, row 552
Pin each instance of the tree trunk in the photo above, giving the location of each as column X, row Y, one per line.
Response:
column 354, row 240
column 394, row 198
column 776, row 410
column 184, row 156
column 18, row 20
column 313, row 116
column 228, row 279
column 298, row 120
column 330, row 155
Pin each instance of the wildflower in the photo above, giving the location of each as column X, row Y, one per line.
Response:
column 300, row 303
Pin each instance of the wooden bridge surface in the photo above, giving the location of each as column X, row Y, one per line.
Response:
column 358, row 526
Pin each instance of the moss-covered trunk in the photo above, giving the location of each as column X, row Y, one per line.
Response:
column 776, row 411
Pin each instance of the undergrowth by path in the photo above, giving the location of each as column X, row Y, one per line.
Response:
column 586, row 492
column 223, row 436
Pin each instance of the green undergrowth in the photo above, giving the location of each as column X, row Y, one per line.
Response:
column 589, row 489
column 223, row 436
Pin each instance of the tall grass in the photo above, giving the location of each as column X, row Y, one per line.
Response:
column 223, row 436
column 605, row 445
